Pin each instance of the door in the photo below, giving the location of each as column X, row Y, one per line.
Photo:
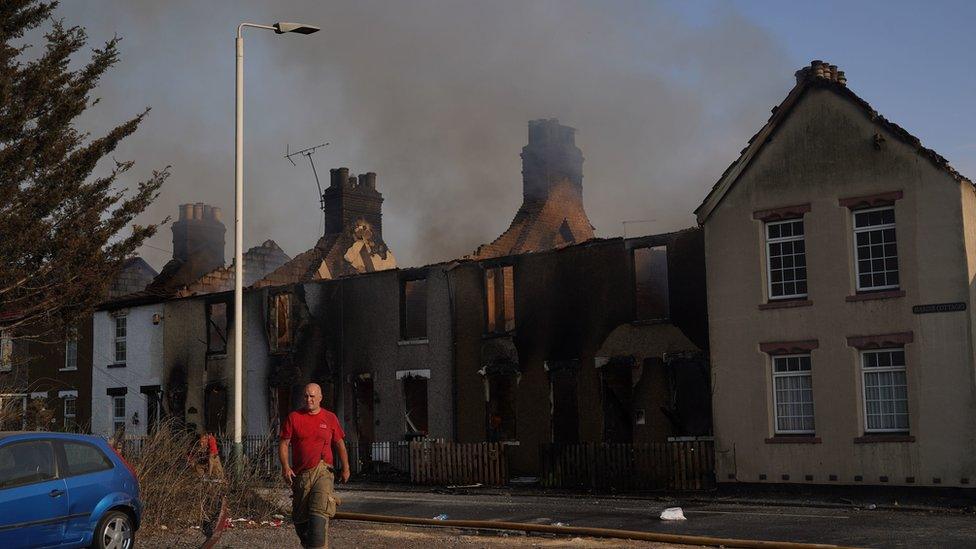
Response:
column 33, row 500
column 88, row 475
column 215, row 409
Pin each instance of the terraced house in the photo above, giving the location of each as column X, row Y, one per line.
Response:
column 841, row 255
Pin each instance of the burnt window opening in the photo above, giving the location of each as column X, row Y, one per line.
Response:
column 563, row 381
column 215, row 408
column 217, row 319
column 651, row 293
column 413, row 309
column 501, row 414
column 279, row 322
column 154, row 407
column 500, row 299
column 363, row 410
column 415, row 405
column 618, row 413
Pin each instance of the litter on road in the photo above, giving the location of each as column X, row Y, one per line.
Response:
column 672, row 513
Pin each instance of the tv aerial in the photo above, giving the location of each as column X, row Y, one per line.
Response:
column 307, row 153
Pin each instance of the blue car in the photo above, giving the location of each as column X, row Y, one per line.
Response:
column 65, row 490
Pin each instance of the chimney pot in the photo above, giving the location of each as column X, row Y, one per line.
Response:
column 343, row 175
column 198, row 210
column 217, row 215
column 370, row 180
column 186, row 211
column 334, row 177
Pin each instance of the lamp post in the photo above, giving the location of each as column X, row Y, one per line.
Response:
column 279, row 28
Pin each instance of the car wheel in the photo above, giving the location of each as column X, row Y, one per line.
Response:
column 114, row 531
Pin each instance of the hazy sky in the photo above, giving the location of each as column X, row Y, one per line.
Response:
column 434, row 96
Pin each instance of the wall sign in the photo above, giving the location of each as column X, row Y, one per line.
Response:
column 938, row 308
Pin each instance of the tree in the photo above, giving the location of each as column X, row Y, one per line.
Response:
column 61, row 224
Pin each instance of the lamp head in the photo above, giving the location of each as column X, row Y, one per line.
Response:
column 282, row 27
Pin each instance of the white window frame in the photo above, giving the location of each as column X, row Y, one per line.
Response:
column 864, row 387
column 69, row 419
column 116, row 419
column 769, row 265
column 857, row 230
column 799, row 373
column 121, row 339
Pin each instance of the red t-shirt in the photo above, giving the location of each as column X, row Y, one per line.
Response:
column 311, row 437
column 212, row 445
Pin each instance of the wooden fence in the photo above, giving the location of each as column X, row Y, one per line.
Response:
column 458, row 463
column 653, row 466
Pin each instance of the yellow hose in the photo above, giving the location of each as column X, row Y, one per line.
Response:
column 590, row 532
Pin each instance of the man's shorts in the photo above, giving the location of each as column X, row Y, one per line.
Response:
column 312, row 493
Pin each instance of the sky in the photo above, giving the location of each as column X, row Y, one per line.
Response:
column 435, row 96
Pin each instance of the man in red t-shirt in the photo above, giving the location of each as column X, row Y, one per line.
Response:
column 311, row 432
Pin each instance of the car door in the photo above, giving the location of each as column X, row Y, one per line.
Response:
column 89, row 476
column 33, row 499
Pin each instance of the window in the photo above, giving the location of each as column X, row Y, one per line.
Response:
column 13, row 412
column 786, row 259
column 793, row 394
column 279, row 322
column 6, row 351
column 118, row 413
column 500, row 299
column 70, row 411
column 120, row 331
column 415, row 404
column 84, row 458
column 413, row 309
column 502, row 404
column 885, row 391
column 217, row 327
column 876, row 250
column 651, row 283
column 26, row 463
column 71, row 350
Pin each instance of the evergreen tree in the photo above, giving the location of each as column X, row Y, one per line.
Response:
column 61, row 225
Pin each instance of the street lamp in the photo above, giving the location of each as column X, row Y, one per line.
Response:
column 279, row 28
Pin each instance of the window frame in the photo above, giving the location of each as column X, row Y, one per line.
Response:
column 767, row 241
column 116, row 418
column 864, row 388
column 651, row 247
column 855, row 230
column 774, row 375
column 70, row 353
column 274, row 345
column 121, row 339
column 226, row 330
column 498, row 269
column 64, row 411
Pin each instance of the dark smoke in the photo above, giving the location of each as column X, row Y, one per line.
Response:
column 434, row 96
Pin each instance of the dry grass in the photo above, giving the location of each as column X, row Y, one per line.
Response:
column 175, row 494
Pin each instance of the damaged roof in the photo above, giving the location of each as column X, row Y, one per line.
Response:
column 817, row 75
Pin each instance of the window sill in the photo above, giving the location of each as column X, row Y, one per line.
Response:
column 867, row 296
column 651, row 321
column 405, row 342
column 872, row 438
column 795, row 439
column 67, row 369
column 496, row 335
column 216, row 356
column 116, row 365
column 785, row 304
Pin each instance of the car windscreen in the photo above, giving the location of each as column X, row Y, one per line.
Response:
column 26, row 463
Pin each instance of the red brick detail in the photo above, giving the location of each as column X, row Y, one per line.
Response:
column 870, row 439
column 785, row 304
column 793, row 440
column 868, row 296
column 777, row 214
column 881, row 341
column 871, row 201
column 789, row 347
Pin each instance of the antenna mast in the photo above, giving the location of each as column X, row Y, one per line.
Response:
column 307, row 153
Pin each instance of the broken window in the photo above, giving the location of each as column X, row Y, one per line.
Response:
column 651, row 283
column 415, row 401
column 500, row 299
column 217, row 327
column 413, row 309
column 279, row 322
column 501, row 414
column 565, row 406
column 617, row 381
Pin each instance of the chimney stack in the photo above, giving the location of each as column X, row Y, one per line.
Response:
column 198, row 236
column 551, row 157
column 350, row 198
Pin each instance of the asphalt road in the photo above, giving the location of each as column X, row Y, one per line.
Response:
column 840, row 526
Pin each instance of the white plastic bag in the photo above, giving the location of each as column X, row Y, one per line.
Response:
column 672, row 513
